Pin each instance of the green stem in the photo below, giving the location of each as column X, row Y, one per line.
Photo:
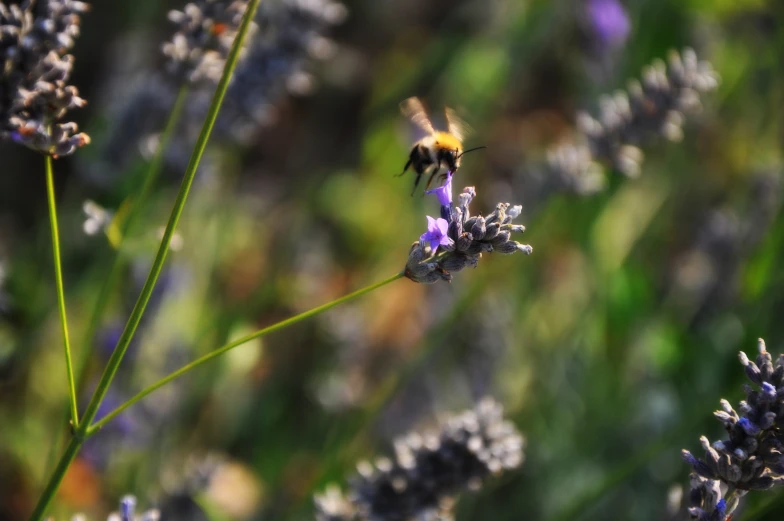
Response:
column 58, row 277
column 118, row 261
column 79, row 434
column 179, row 204
column 231, row 345
column 126, row 227
column 57, row 477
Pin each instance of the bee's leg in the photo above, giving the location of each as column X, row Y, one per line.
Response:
column 405, row 168
column 432, row 175
column 416, row 183
column 413, row 158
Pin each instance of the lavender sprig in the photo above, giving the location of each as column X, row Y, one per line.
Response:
column 292, row 35
column 654, row 107
column 466, row 237
column 205, row 32
column 34, row 92
column 429, row 470
column 752, row 458
column 127, row 512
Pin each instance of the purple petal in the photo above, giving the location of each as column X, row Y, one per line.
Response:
column 444, row 192
column 445, row 241
column 442, row 225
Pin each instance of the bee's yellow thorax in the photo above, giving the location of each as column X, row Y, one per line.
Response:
column 447, row 140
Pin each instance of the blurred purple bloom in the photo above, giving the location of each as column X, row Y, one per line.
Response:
column 127, row 507
column 436, row 234
column 609, row 20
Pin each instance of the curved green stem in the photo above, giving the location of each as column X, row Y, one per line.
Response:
column 58, row 277
column 79, row 434
column 179, row 204
column 231, row 345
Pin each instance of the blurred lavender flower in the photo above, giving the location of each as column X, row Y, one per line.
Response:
column 127, row 512
column 291, row 35
column 429, row 470
column 753, row 456
column 465, row 240
column 655, row 107
column 34, row 90
column 274, row 63
column 609, row 21
column 707, row 275
column 97, row 218
column 205, row 33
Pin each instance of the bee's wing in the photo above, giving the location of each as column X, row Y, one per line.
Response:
column 457, row 127
column 415, row 111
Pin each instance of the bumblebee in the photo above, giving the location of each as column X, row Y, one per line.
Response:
column 439, row 148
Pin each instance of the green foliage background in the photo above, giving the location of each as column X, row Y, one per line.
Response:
column 610, row 346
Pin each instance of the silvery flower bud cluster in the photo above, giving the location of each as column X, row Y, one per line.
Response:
column 291, row 36
column 752, row 458
column 205, row 33
column 656, row 106
column 429, row 470
column 470, row 237
column 34, row 92
column 273, row 64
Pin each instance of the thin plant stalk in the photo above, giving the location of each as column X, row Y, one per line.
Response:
column 118, row 261
column 231, row 345
column 127, row 225
column 79, row 434
column 171, row 225
column 58, row 276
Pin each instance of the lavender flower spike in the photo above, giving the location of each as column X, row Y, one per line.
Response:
column 127, row 512
column 34, row 91
column 205, row 33
column 429, row 470
column 651, row 108
column 471, row 236
column 752, row 458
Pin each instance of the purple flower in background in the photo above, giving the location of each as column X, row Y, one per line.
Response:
column 609, row 21
column 436, row 234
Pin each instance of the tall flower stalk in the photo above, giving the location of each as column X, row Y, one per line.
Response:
column 80, row 433
column 34, row 98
